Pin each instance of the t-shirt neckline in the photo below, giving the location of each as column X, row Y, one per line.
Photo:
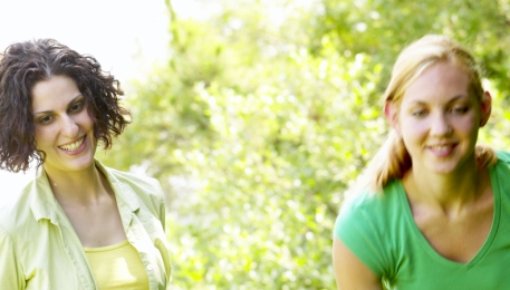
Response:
column 427, row 247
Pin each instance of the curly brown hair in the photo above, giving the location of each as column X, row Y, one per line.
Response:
column 22, row 65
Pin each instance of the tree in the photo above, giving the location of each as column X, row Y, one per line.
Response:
column 257, row 124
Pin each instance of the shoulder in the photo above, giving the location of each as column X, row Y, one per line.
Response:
column 369, row 213
column 502, row 166
column 373, row 202
column 134, row 187
column 140, row 182
column 15, row 211
column 503, row 156
column 137, row 180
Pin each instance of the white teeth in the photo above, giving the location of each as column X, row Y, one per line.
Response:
column 73, row 146
column 441, row 147
column 441, row 150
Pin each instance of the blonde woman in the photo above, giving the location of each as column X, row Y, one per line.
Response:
column 432, row 210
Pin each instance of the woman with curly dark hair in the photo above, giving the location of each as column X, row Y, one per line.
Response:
column 77, row 224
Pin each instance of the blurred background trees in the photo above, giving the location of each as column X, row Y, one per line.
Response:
column 267, row 110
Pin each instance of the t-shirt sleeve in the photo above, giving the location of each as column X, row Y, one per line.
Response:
column 10, row 277
column 361, row 230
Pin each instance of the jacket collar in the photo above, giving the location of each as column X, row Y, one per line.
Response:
column 44, row 205
column 42, row 201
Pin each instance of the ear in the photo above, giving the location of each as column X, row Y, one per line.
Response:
column 485, row 108
column 391, row 114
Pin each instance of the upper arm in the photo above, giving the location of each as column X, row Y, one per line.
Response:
column 161, row 205
column 162, row 244
column 10, row 273
column 350, row 272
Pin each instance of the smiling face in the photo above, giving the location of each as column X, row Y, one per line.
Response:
column 63, row 127
column 438, row 119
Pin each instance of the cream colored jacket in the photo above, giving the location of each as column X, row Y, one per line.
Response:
column 39, row 249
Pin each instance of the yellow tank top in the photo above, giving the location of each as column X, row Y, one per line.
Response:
column 117, row 267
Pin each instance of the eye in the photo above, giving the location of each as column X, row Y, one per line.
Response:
column 419, row 113
column 44, row 120
column 459, row 110
column 76, row 107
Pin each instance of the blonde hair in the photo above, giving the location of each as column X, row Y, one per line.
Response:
column 392, row 160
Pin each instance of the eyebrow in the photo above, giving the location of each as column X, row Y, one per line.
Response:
column 452, row 100
column 75, row 99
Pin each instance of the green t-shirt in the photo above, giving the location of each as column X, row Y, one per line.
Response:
column 380, row 230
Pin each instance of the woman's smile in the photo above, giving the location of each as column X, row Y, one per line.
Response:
column 75, row 147
column 441, row 150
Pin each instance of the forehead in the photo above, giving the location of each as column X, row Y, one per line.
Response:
column 53, row 93
column 439, row 82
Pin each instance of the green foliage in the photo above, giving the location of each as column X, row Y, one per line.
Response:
column 258, row 123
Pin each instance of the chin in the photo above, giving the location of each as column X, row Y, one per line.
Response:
column 448, row 168
column 83, row 163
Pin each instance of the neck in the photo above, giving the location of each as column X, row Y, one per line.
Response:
column 82, row 187
column 449, row 192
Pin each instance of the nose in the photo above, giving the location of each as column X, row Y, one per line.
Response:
column 440, row 125
column 69, row 127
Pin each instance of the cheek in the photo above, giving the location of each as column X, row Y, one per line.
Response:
column 85, row 119
column 42, row 136
column 412, row 129
column 468, row 125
